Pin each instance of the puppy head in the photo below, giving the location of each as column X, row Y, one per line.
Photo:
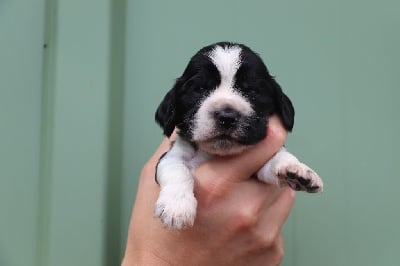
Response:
column 223, row 99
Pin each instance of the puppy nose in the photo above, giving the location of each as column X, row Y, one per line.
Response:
column 227, row 118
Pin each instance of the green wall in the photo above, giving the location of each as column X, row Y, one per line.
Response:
column 339, row 63
column 20, row 106
column 80, row 80
column 61, row 126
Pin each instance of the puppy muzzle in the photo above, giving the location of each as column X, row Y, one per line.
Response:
column 227, row 119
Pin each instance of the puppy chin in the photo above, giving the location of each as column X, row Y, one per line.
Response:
column 221, row 146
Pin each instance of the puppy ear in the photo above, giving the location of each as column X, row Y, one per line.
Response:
column 166, row 113
column 284, row 107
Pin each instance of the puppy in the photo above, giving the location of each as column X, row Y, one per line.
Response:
column 220, row 106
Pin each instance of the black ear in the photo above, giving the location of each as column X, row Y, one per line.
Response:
column 284, row 108
column 166, row 113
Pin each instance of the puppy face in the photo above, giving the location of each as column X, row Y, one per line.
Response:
column 222, row 101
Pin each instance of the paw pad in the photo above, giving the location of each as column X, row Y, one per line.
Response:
column 301, row 178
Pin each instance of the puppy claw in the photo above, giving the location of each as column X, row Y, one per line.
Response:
column 176, row 211
column 300, row 177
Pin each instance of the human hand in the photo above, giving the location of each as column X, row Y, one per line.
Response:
column 239, row 219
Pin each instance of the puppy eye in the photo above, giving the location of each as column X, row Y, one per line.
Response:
column 198, row 89
column 253, row 91
column 194, row 86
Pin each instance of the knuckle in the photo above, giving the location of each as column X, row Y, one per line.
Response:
column 246, row 218
column 276, row 257
column 209, row 192
column 277, row 133
column 280, row 253
column 275, row 248
column 267, row 240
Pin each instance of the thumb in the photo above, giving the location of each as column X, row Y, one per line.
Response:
column 240, row 167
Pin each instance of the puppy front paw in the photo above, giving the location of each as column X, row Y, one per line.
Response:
column 300, row 177
column 176, row 209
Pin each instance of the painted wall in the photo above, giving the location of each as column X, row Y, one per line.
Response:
column 20, row 108
column 59, row 144
column 339, row 63
column 80, row 80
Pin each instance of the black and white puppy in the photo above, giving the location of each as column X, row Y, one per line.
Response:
column 220, row 106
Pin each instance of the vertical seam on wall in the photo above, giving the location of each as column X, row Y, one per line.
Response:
column 113, row 238
column 47, row 125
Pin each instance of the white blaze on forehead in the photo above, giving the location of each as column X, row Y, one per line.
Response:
column 227, row 60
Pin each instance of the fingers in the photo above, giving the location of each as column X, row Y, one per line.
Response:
column 240, row 167
column 276, row 208
column 267, row 231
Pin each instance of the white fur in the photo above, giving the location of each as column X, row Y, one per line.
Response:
column 221, row 98
column 276, row 170
column 176, row 204
column 269, row 173
column 227, row 61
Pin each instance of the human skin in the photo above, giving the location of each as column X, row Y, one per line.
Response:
column 239, row 219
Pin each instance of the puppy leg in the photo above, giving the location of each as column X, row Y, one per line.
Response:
column 284, row 169
column 176, row 204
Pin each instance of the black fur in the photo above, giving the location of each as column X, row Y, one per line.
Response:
column 201, row 77
column 166, row 112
